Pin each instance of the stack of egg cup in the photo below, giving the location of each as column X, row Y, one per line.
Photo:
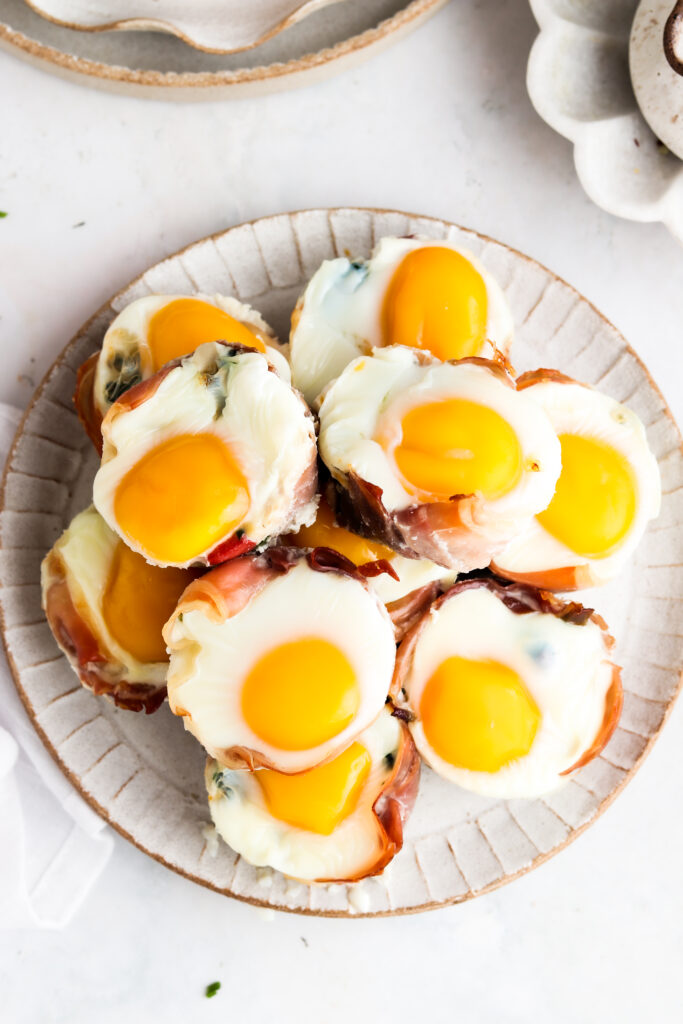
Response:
column 329, row 553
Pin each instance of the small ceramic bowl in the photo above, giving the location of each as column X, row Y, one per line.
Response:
column 656, row 61
column 210, row 25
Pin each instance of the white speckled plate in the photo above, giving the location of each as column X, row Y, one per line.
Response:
column 159, row 65
column 143, row 774
column 211, row 25
column 578, row 80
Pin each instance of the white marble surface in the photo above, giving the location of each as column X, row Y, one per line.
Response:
column 439, row 124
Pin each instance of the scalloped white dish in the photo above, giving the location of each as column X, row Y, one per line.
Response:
column 143, row 774
column 210, row 25
column 578, row 80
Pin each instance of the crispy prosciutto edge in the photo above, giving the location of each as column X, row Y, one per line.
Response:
column 237, row 543
column 445, row 532
column 390, row 808
column 521, row 599
column 405, row 610
column 394, row 804
column 84, row 400
column 96, row 667
column 563, row 578
column 229, row 588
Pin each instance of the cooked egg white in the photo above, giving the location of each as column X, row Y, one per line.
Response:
column 608, row 491
column 223, row 448
column 293, row 677
column 123, row 601
column 425, row 432
column 419, row 292
column 152, row 330
column 505, row 702
column 315, row 826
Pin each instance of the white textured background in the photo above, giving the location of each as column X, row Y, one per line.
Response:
column 439, row 124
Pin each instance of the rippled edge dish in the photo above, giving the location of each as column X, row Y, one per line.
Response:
column 574, row 832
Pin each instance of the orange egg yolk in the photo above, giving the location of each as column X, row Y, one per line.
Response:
column 478, row 715
column 138, row 599
column 457, row 447
column 300, row 694
column 437, row 301
column 595, row 498
column 320, row 799
column 324, row 533
column 181, row 498
column 179, row 327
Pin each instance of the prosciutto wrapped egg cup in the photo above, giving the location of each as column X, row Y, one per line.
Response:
column 419, row 292
column 279, row 660
column 444, row 461
column 509, row 689
column 339, row 822
column 608, row 490
column 106, row 607
column 405, row 585
column 156, row 329
column 207, row 459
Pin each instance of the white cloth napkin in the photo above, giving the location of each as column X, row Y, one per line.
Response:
column 52, row 845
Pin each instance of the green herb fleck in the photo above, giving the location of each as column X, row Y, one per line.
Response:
column 3, row 213
column 212, row 989
column 219, row 781
column 127, row 370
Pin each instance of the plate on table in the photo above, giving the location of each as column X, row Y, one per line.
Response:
column 159, row 65
column 144, row 774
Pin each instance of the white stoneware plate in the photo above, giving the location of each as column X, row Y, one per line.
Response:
column 578, row 80
column 158, row 65
column 143, row 774
column 211, row 25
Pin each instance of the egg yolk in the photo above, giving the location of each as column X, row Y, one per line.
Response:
column 300, row 694
column 478, row 715
column 138, row 599
column 595, row 498
column 320, row 799
column 458, row 447
column 324, row 533
column 437, row 301
column 182, row 498
column 179, row 327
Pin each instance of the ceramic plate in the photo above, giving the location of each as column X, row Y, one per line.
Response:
column 578, row 80
column 210, row 25
column 143, row 774
column 158, row 65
